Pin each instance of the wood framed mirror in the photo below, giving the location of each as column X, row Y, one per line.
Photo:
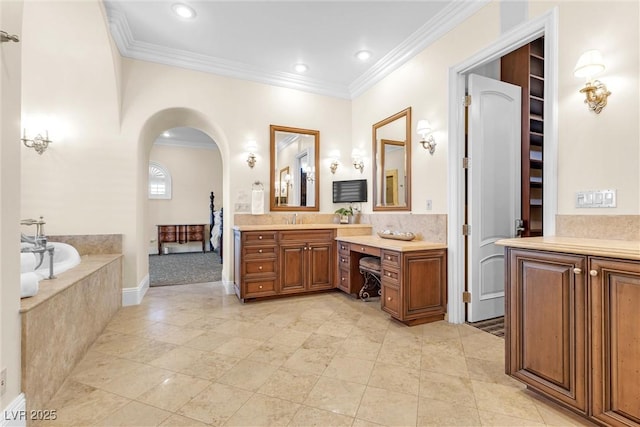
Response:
column 295, row 172
column 392, row 165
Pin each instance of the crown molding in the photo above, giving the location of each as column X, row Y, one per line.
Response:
column 173, row 142
column 443, row 22
column 448, row 18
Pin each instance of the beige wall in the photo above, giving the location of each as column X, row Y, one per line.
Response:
column 195, row 173
column 104, row 113
column 10, row 87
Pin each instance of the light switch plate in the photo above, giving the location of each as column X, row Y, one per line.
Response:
column 596, row 199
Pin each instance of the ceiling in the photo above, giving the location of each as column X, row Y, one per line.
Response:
column 263, row 40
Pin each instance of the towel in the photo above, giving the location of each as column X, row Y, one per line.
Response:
column 28, row 284
column 28, row 262
column 216, row 231
column 257, row 202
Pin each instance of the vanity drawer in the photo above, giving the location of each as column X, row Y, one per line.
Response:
column 260, row 287
column 259, row 237
column 391, row 258
column 260, row 251
column 390, row 276
column 259, row 266
column 343, row 248
column 306, row 235
column 364, row 249
column 344, row 279
column 390, row 300
column 343, row 260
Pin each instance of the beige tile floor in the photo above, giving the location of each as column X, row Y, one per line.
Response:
column 192, row 355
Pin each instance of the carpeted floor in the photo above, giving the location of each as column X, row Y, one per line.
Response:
column 493, row 326
column 184, row 268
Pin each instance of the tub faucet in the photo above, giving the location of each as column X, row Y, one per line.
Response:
column 39, row 240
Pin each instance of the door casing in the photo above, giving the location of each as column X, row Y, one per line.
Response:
column 546, row 25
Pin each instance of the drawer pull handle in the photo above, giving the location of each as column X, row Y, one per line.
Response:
column 260, row 287
column 388, row 298
column 260, row 268
column 388, row 274
column 388, row 258
column 259, row 251
column 594, row 273
column 577, row 270
column 343, row 279
column 362, row 249
column 260, row 237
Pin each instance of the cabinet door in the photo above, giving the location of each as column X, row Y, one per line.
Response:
column 321, row 262
column 292, row 267
column 424, row 279
column 546, row 319
column 615, row 341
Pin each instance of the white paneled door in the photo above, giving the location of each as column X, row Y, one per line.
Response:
column 493, row 189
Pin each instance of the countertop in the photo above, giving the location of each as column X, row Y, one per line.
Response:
column 394, row 245
column 341, row 229
column 598, row 247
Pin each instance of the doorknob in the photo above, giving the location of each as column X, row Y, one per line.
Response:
column 519, row 227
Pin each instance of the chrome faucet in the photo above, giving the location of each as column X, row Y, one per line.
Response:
column 294, row 219
column 39, row 242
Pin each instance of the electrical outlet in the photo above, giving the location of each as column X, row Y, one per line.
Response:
column 3, row 381
column 429, row 204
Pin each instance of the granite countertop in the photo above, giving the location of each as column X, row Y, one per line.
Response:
column 599, row 247
column 394, row 245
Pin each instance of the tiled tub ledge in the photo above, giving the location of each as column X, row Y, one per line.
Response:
column 60, row 323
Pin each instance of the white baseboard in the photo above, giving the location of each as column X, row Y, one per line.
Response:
column 133, row 296
column 15, row 415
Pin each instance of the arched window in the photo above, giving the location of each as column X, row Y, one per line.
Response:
column 159, row 181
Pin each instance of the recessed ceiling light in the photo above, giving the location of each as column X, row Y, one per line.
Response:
column 363, row 55
column 183, row 11
column 301, row 68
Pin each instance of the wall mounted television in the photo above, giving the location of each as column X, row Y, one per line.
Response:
column 354, row 190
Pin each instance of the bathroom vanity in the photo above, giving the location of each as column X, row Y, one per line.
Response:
column 286, row 259
column 572, row 323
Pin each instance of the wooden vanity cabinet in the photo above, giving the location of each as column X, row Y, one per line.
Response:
column 546, row 306
column 271, row 263
column 614, row 291
column 572, row 331
column 306, row 260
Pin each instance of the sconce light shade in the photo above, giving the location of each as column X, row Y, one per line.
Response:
column 589, row 65
column 428, row 142
column 251, row 147
column 358, row 164
column 38, row 143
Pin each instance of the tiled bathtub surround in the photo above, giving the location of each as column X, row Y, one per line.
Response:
column 612, row 227
column 432, row 228
column 92, row 244
column 61, row 322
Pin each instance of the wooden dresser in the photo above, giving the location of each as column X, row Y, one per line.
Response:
column 181, row 234
column 573, row 324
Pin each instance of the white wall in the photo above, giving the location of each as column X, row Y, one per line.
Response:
column 10, row 87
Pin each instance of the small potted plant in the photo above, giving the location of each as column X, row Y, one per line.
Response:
column 344, row 213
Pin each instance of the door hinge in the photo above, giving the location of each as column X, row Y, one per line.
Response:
column 465, row 162
column 466, row 101
column 466, row 229
column 466, row 297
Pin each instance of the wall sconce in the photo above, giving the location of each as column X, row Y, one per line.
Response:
column 38, row 143
column 428, row 141
column 358, row 164
column 589, row 65
column 310, row 171
column 251, row 159
column 334, row 166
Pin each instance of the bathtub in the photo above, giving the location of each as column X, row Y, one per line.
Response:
column 64, row 257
